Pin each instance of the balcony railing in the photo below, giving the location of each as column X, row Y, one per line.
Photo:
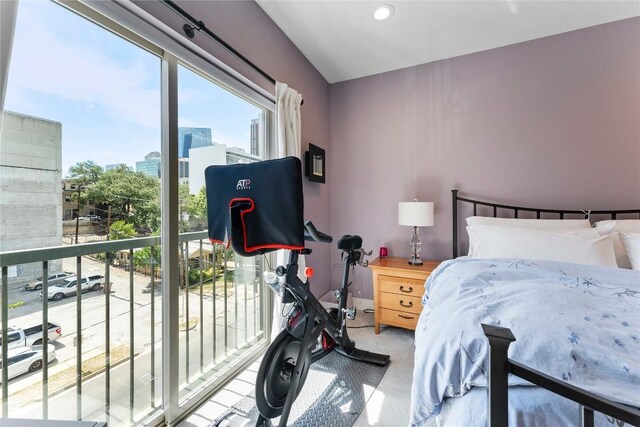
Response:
column 108, row 361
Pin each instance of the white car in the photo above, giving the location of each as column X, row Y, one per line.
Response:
column 25, row 359
column 70, row 285
column 52, row 280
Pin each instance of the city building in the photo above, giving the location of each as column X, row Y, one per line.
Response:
column 183, row 170
column 70, row 202
column 150, row 165
column 189, row 138
column 255, row 137
column 31, row 182
column 216, row 154
column 111, row 166
column 235, row 155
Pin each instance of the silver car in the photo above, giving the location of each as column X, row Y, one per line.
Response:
column 52, row 280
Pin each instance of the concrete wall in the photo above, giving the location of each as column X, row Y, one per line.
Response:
column 30, row 187
column 549, row 123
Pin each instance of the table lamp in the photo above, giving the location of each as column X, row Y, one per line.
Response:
column 415, row 214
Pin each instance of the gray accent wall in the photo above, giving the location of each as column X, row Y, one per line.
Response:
column 553, row 123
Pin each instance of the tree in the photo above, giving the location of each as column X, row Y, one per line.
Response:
column 121, row 230
column 133, row 196
column 85, row 173
column 197, row 205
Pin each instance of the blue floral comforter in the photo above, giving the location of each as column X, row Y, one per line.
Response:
column 577, row 323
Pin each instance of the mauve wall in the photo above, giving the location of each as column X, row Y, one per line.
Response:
column 246, row 27
column 552, row 122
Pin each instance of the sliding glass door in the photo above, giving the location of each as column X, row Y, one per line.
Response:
column 105, row 138
column 221, row 307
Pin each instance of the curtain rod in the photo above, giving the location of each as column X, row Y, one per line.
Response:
column 196, row 25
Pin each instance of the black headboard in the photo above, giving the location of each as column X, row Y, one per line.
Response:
column 560, row 213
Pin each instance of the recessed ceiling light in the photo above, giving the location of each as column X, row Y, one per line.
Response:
column 383, row 12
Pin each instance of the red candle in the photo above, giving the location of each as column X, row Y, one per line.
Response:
column 383, row 252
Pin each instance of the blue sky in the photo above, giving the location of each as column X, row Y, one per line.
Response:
column 106, row 91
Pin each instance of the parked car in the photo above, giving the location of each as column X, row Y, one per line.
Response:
column 69, row 286
column 32, row 336
column 52, row 280
column 21, row 360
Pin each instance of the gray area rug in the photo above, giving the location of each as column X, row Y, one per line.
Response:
column 336, row 391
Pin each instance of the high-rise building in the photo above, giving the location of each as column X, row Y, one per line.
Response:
column 192, row 138
column 150, row 165
column 255, row 137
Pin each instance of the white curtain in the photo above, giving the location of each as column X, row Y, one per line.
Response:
column 288, row 143
column 8, row 15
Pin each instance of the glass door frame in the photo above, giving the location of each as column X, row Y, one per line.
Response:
column 135, row 25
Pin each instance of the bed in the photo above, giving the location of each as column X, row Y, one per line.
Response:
column 575, row 317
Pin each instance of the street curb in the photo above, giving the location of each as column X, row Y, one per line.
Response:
column 88, row 377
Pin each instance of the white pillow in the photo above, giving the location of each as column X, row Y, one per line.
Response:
column 631, row 242
column 580, row 246
column 625, row 225
column 541, row 224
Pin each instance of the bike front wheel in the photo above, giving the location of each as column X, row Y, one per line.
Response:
column 276, row 373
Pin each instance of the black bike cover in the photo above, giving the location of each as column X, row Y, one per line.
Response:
column 265, row 200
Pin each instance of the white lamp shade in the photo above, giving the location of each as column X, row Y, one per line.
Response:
column 415, row 214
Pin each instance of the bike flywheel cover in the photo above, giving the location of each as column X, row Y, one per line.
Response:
column 276, row 371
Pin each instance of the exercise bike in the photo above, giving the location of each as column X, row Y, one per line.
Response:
column 258, row 208
column 310, row 333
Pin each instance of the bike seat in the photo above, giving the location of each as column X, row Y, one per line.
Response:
column 350, row 243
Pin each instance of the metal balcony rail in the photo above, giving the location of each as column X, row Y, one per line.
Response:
column 246, row 301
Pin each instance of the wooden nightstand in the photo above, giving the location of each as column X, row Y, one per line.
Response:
column 397, row 290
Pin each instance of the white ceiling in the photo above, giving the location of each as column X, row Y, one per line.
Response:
column 343, row 41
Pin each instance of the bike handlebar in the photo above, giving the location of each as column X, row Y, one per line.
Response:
column 312, row 233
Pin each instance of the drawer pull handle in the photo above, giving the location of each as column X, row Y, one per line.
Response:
column 403, row 290
column 406, row 317
column 406, row 305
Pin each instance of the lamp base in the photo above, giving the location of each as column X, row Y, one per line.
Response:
column 413, row 261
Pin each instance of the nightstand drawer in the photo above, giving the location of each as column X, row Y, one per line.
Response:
column 400, row 302
column 398, row 318
column 401, row 285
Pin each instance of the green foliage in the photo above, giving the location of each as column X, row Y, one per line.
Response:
column 145, row 256
column 16, row 304
column 133, row 196
column 194, row 276
column 197, row 205
column 121, row 230
column 85, row 173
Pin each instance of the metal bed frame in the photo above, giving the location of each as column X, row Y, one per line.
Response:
column 500, row 366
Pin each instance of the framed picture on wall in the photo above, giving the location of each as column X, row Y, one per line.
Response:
column 315, row 162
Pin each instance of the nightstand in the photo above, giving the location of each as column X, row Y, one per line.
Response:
column 397, row 290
